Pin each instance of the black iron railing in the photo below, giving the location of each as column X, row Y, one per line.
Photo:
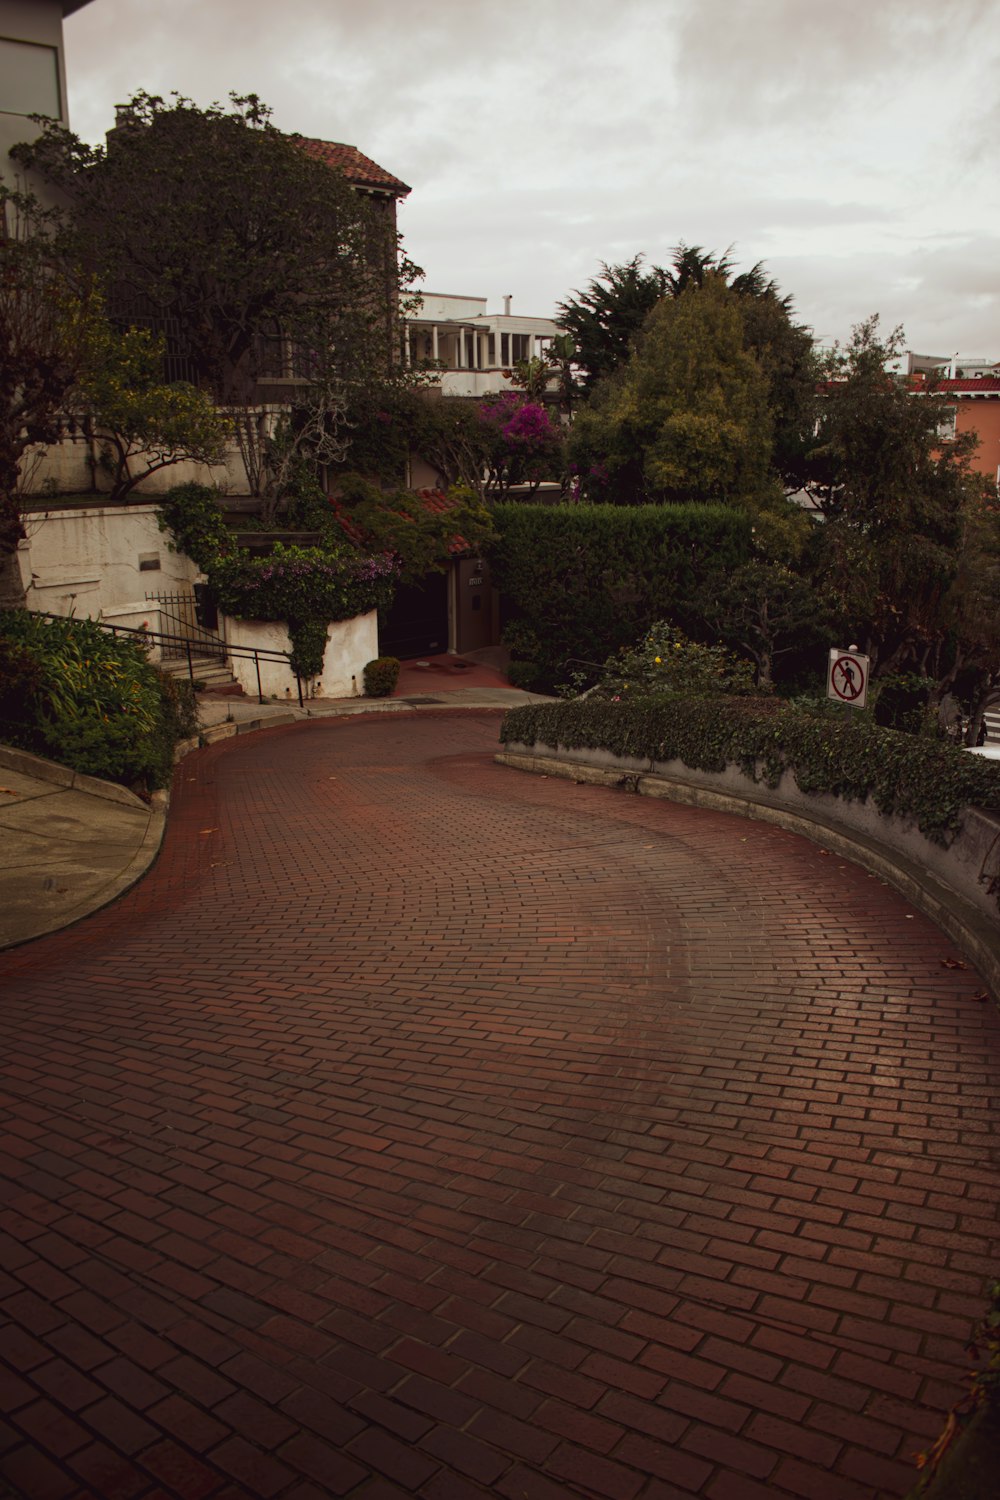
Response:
column 180, row 648
column 192, row 617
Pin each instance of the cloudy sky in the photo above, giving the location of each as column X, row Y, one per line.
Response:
column 849, row 144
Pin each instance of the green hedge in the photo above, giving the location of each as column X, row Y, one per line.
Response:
column 72, row 692
column 853, row 758
column 580, row 581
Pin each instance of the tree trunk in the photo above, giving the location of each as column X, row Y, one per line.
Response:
column 12, row 594
column 11, row 533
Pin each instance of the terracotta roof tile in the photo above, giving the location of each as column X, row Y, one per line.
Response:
column 356, row 167
column 983, row 383
column 436, row 502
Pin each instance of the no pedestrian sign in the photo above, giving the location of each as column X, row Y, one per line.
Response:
column 847, row 677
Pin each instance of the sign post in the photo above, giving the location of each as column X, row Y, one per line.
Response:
column 847, row 676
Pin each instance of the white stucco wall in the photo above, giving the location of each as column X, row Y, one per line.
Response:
column 68, row 467
column 350, row 645
column 87, row 562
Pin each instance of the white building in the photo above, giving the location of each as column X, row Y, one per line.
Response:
column 945, row 366
column 32, row 75
column 474, row 347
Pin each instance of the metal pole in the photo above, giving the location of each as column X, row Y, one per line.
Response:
column 298, row 684
column 260, row 690
column 190, row 665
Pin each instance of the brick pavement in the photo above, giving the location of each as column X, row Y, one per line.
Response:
column 419, row 1127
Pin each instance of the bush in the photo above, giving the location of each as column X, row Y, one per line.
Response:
column 925, row 781
column 307, row 587
column 585, row 580
column 192, row 514
column 381, row 676
column 96, row 704
column 665, row 661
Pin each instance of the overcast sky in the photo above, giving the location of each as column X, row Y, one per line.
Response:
column 849, row 144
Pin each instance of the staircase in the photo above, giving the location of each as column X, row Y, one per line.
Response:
column 210, row 674
column 991, row 718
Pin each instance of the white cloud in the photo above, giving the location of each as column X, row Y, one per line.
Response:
column 850, row 146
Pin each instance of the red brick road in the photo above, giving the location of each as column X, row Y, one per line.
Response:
column 421, row 1127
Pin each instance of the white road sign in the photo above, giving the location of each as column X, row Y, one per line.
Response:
column 847, row 677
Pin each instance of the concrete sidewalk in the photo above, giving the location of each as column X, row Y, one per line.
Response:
column 71, row 843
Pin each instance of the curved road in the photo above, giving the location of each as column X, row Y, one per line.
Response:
column 419, row 1127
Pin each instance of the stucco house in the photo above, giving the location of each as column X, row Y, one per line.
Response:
column 473, row 345
column 976, row 403
column 32, row 73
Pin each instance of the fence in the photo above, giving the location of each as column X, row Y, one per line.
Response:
column 178, row 647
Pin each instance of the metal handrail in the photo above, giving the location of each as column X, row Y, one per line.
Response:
column 159, row 637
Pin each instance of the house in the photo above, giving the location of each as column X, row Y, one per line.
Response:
column 456, row 609
column 973, row 385
column 32, row 74
column 474, row 347
column 976, row 403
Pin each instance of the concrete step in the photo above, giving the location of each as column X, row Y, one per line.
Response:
column 210, row 674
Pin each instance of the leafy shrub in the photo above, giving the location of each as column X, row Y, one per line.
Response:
column 589, row 579
column 925, row 781
column 665, row 661
column 90, row 701
column 307, row 587
column 524, row 674
column 381, row 676
column 301, row 583
column 21, row 678
column 192, row 514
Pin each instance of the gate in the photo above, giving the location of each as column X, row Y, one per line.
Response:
column 189, row 620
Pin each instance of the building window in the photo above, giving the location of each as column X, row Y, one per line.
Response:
column 29, row 79
column 947, row 428
column 520, row 343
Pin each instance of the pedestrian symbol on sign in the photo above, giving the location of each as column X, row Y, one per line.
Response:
column 847, row 677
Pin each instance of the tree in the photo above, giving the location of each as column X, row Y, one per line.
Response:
column 41, row 348
column 216, row 227
column 688, row 417
column 141, row 423
column 523, row 447
column 910, row 538
column 767, row 610
column 605, row 318
column 608, row 323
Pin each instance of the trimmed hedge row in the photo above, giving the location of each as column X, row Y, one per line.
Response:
column 580, row 581
column 925, row 781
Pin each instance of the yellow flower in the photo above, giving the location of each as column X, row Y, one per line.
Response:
column 658, row 660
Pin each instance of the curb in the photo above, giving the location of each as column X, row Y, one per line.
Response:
column 969, row 1469
column 77, row 781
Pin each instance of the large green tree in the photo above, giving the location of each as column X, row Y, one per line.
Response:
column 223, row 232
column 42, row 337
column 607, row 323
column 140, row 422
column 605, row 318
column 688, row 417
column 911, row 531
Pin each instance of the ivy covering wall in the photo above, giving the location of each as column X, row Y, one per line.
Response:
column 926, row 781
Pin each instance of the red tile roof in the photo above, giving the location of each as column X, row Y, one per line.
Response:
column 984, row 384
column 436, row 502
column 359, row 169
